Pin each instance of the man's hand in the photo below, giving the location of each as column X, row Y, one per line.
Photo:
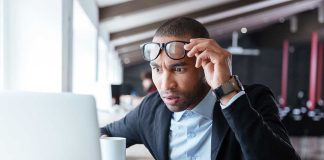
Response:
column 103, row 136
column 215, row 60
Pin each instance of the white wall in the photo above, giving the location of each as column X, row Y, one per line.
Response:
column 115, row 69
column 48, row 48
column 1, row 44
column 91, row 71
column 33, row 43
column 84, row 51
column 103, row 93
column 91, row 9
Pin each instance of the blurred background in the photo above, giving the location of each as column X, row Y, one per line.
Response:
column 92, row 47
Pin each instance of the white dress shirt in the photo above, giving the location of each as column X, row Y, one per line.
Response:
column 191, row 130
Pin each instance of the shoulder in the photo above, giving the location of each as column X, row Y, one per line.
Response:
column 257, row 89
column 152, row 98
column 152, row 111
column 260, row 94
column 151, row 103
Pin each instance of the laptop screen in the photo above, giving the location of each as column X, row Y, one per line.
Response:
column 48, row 126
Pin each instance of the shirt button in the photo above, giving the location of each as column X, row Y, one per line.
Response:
column 191, row 135
column 195, row 158
column 179, row 134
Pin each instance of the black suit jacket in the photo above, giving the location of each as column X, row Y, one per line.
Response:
column 248, row 129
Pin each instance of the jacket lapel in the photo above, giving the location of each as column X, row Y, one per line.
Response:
column 162, row 129
column 219, row 130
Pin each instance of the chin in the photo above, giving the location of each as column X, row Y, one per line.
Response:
column 176, row 108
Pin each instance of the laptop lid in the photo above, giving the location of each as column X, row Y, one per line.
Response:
column 48, row 126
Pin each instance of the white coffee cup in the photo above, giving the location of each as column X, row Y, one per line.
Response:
column 113, row 148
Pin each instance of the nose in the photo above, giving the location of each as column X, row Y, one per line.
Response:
column 168, row 81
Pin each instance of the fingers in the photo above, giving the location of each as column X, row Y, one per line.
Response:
column 196, row 41
column 195, row 50
column 193, row 42
column 198, row 45
column 213, row 57
column 195, row 46
column 205, row 57
column 103, row 136
column 200, row 58
column 205, row 50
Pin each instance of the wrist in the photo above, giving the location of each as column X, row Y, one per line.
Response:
column 225, row 99
column 227, row 90
column 220, row 82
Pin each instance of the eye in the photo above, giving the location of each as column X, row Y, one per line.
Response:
column 179, row 69
column 156, row 69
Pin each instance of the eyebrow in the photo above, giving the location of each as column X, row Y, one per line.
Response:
column 154, row 64
column 179, row 64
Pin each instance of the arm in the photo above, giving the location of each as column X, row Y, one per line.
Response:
column 254, row 120
column 127, row 127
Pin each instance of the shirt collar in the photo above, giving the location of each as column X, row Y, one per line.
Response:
column 204, row 108
column 177, row 115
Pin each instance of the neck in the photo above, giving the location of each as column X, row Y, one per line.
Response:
column 202, row 94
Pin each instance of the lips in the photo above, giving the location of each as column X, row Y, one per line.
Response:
column 171, row 100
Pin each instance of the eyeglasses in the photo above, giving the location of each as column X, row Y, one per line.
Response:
column 174, row 49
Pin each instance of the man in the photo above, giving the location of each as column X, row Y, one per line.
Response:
column 201, row 111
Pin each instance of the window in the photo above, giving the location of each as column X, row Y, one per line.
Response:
column 102, row 91
column 1, row 44
column 84, row 51
column 33, row 40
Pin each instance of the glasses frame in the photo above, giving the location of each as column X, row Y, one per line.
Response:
column 163, row 46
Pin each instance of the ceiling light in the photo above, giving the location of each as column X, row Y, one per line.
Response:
column 282, row 20
column 126, row 60
column 243, row 30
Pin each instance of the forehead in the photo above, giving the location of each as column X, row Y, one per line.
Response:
column 165, row 39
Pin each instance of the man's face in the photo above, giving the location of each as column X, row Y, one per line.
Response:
column 181, row 85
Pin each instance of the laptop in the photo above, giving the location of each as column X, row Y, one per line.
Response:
column 48, row 126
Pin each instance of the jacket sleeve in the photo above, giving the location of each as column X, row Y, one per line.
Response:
column 254, row 119
column 128, row 127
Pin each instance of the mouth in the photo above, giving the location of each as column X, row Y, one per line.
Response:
column 171, row 100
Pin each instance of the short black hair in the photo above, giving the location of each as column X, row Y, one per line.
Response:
column 182, row 26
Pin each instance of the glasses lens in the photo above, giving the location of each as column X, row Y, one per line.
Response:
column 151, row 51
column 175, row 50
